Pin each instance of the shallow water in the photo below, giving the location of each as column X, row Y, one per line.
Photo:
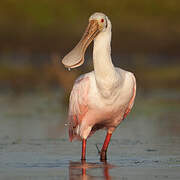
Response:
column 34, row 142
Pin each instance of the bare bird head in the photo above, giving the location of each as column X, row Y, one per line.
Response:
column 98, row 22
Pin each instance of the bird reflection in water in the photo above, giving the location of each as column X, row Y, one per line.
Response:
column 82, row 170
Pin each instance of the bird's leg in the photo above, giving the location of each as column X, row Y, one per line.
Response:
column 106, row 171
column 83, row 155
column 83, row 169
column 103, row 155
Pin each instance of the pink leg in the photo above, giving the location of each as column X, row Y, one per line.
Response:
column 105, row 146
column 106, row 173
column 83, row 155
column 83, row 169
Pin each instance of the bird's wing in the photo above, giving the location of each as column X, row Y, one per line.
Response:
column 78, row 105
column 131, row 102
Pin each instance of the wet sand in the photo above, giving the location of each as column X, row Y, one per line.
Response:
column 34, row 142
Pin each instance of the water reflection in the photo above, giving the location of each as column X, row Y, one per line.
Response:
column 88, row 170
column 29, row 140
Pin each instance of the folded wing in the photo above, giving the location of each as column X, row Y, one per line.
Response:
column 78, row 105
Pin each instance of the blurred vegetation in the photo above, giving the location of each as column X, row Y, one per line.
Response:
column 44, row 25
column 36, row 34
column 29, row 77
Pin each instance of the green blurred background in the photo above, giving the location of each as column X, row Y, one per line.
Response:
column 35, row 35
column 34, row 88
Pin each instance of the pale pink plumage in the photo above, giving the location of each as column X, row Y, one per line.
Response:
column 86, row 116
column 78, row 105
column 104, row 97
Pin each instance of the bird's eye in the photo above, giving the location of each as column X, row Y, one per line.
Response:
column 102, row 20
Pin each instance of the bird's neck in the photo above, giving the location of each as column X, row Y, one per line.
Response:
column 103, row 67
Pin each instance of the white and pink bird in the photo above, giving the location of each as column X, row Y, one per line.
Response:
column 100, row 99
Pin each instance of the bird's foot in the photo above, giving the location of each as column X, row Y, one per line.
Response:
column 103, row 156
column 99, row 152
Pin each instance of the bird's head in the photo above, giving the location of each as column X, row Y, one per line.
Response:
column 98, row 22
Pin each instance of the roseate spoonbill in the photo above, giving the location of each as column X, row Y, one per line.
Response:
column 100, row 99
